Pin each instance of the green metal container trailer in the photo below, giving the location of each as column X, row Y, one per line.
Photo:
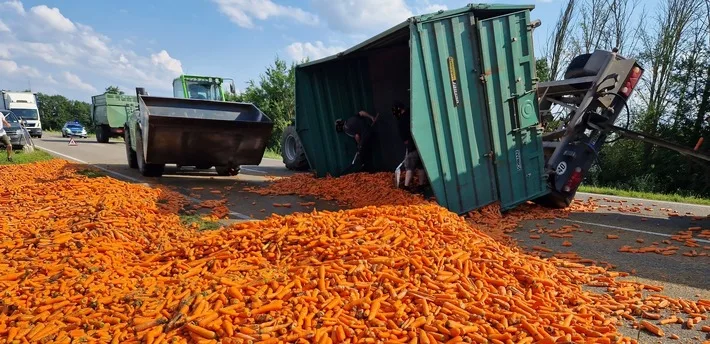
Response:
column 109, row 113
column 469, row 77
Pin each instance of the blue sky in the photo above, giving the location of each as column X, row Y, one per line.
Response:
column 77, row 48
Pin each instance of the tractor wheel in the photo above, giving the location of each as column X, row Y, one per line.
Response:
column 292, row 150
column 227, row 170
column 146, row 169
column 103, row 133
column 130, row 153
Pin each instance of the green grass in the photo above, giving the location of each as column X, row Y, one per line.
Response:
column 644, row 195
column 272, row 154
column 91, row 173
column 202, row 225
column 21, row 157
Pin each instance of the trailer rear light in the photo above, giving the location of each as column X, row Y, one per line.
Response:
column 574, row 180
column 631, row 82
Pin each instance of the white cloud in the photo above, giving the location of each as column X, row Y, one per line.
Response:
column 243, row 12
column 164, row 61
column 51, row 40
column 299, row 51
column 75, row 82
column 53, row 18
column 432, row 8
column 3, row 27
column 12, row 68
column 15, row 5
column 362, row 16
column 371, row 16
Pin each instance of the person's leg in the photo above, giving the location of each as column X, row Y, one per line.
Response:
column 419, row 166
column 409, row 165
column 8, row 146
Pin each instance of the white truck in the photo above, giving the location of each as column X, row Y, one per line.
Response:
column 24, row 106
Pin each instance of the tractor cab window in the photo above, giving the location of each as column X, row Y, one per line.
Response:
column 203, row 90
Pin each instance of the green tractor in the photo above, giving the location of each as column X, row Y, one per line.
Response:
column 196, row 127
column 201, row 87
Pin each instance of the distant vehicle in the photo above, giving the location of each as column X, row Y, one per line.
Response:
column 15, row 131
column 74, row 129
column 24, row 106
column 109, row 113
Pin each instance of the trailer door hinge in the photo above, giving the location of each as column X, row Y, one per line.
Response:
column 482, row 78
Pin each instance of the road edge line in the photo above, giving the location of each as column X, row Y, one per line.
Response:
column 628, row 229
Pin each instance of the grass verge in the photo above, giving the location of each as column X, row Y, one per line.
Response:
column 22, row 157
column 202, row 225
column 644, row 195
column 272, row 154
column 91, row 173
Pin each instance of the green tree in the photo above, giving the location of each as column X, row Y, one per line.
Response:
column 114, row 90
column 274, row 94
column 56, row 110
column 542, row 69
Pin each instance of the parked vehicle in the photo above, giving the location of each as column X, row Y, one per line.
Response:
column 479, row 119
column 15, row 132
column 109, row 113
column 194, row 132
column 71, row 129
column 25, row 106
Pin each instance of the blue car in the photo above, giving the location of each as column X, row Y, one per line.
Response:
column 74, row 129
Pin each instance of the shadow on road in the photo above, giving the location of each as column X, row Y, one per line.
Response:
column 78, row 141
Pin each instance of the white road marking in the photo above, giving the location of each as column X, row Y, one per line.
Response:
column 123, row 176
column 628, row 229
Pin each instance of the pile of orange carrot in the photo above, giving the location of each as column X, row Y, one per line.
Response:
column 354, row 190
column 99, row 260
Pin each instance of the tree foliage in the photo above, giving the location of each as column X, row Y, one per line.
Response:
column 56, row 110
column 114, row 90
column 273, row 94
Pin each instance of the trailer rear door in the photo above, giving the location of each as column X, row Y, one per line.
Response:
column 509, row 71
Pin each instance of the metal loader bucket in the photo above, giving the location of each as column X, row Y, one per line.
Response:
column 193, row 132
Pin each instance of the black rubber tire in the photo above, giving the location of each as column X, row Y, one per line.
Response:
column 103, row 133
column 130, row 153
column 554, row 200
column 146, row 169
column 292, row 151
column 226, row 171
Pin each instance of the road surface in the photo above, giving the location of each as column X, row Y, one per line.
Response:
column 685, row 277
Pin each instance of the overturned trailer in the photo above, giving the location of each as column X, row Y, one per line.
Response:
column 484, row 126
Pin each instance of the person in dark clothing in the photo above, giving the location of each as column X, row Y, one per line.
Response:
column 359, row 127
column 412, row 161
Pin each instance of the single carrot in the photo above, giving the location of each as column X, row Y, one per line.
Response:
column 652, row 328
column 200, row 331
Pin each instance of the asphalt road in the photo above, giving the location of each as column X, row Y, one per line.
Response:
column 636, row 223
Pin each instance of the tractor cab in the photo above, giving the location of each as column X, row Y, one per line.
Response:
column 200, row 87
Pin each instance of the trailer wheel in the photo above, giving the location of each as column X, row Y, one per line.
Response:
column 292, row 150
column 227, row 170
column 130, row 153
column 555, row 200
column 146, row 169
column 103, row 133
column 575, row 69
